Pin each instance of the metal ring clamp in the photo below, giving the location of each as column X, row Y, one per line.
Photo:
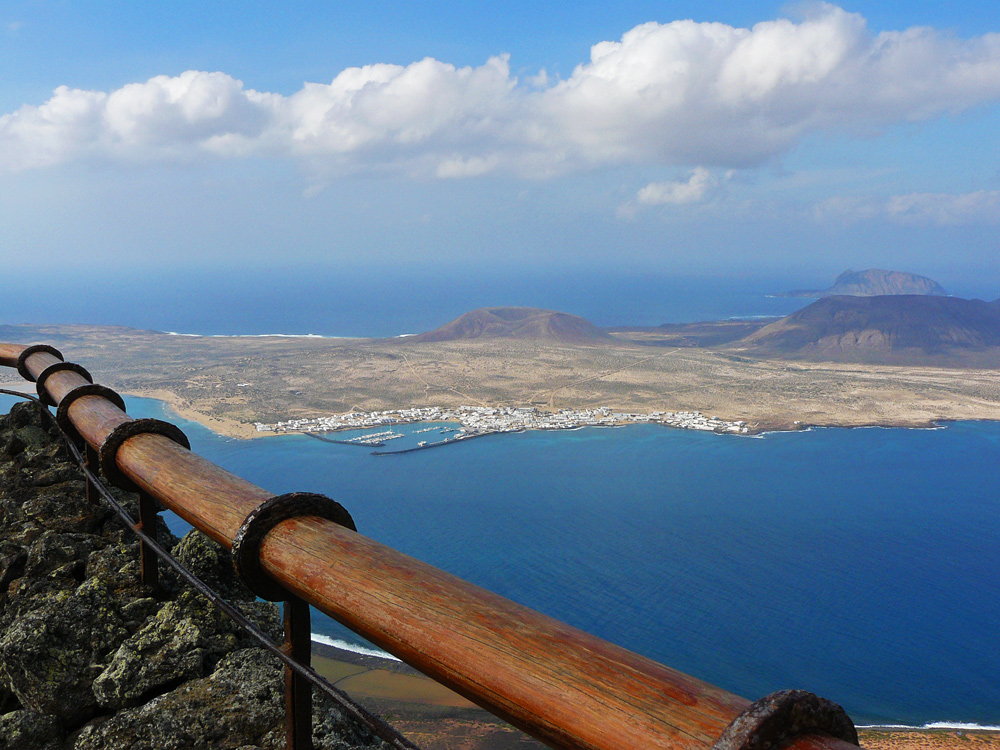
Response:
column 109, row 448
column 91, row 389
column 780, row 716
column 52, row 369
column 22, row 359
column 262, row 519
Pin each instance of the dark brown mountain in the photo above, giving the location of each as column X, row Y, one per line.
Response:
column 874, row 282
column 896, row 328
column 526, row 323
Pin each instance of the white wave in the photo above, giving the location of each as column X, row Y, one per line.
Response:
column 958, row 725
column 354, row 648
column 254, row 335
column 790, row 430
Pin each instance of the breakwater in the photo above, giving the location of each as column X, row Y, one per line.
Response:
column 322, row 439
column 438, row 444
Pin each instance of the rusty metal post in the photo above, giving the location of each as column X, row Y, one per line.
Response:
column 148, row 505
column 94, row 465
column 147, row 524
column 298, row 691
column 298, row 635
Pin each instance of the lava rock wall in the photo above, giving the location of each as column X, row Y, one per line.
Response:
column 91, row 659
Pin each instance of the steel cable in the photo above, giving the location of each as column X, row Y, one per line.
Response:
column 378, row 726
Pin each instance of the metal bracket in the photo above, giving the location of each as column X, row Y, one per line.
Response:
column 263, row 518
column 148, row 506
column 22, row 359
column 91, row 389
column 43, row 394
column 778, row 717
column 117, row 437
column 70, row 431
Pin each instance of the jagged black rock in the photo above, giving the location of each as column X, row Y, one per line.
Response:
column 90, row 659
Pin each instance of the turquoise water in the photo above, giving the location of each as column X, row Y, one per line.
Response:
column 858, row 564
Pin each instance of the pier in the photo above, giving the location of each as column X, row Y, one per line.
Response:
column 309, row 433
column 442, row 443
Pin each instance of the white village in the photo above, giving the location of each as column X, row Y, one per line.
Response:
column 476, row 421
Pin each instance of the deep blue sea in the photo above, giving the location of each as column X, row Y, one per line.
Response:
column 384, row 302
column 863, row 565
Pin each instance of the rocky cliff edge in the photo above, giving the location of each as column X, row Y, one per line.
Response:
column 90, row 659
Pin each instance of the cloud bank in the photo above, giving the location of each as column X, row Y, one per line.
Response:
column 681, row 93
column 917, row 209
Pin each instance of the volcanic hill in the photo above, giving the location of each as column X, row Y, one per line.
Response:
column 886, row 328
column 525, row 323
column 874, row 282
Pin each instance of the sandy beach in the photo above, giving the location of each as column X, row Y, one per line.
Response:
column 183, row 408
column 929, row 739
column 426, row 712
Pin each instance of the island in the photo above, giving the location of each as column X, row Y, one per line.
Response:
column 874, row 282
column 842, row 361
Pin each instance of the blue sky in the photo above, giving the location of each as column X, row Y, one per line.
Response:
column 706, row 137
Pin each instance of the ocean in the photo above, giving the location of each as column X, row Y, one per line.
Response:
column 377, row 303
column 860, row 564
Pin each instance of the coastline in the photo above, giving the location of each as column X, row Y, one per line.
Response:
column 425, row 711
column 928, row 739
column 232, row 428
column 229, row 383
column 225, row 426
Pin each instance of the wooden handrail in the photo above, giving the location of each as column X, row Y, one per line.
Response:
column 559, row 684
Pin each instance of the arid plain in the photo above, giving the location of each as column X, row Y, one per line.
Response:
column 229, row 383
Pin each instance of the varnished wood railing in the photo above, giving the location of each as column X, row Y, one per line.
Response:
column 559, row 684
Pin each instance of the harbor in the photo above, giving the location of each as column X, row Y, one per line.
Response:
column 479, row 421
column 424, row 445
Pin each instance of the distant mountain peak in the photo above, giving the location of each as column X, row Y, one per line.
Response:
column 875, row 282
column 881, row 328
column 525, row 323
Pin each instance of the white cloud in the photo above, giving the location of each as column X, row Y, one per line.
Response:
column 67, row 126
column 677, row 193
column 938, row 209
column 980, row 207
column 681, row 93
column 192, row 108
column 711, row 94
column 427, row 102
column 470, row 167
